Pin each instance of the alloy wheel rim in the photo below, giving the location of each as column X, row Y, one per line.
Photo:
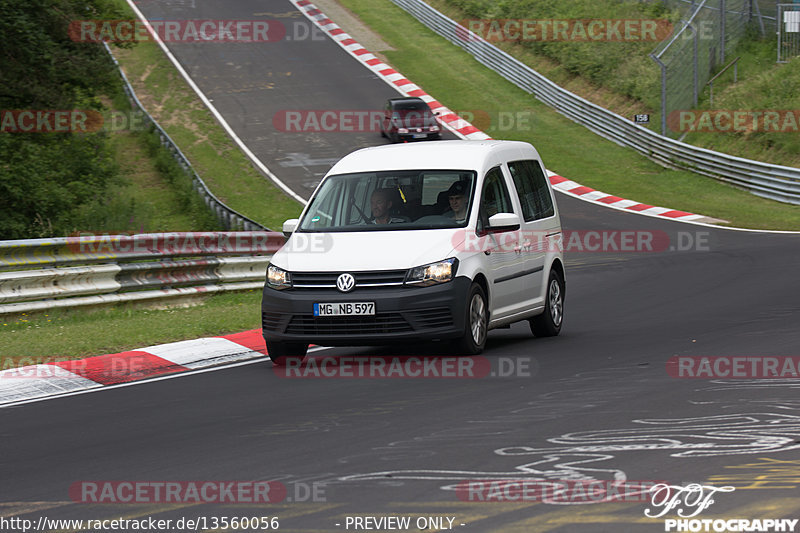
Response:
column 477, row 311
column 556, row 305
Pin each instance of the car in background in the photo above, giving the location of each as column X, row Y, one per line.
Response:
column 409, row 118
column 442, row 240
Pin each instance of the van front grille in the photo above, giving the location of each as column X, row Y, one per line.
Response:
column 364, row 280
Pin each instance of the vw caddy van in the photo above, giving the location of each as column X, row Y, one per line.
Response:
column 443, row 240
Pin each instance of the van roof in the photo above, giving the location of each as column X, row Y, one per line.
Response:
column 466, row 155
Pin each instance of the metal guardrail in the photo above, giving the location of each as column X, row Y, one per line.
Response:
column 42, row 274
column 229, row 218
column 762, row 179
column 91, row 270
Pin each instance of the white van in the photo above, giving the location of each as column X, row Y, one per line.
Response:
column 424, row 241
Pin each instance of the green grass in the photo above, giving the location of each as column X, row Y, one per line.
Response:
column 224, row 168
column 75, row 333
column 153, row 194
column 762, row 85
column 461, row 83
column 623, row 78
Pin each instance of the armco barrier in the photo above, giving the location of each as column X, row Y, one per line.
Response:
column 762, row 179
column 39, row 274
column 230, row 219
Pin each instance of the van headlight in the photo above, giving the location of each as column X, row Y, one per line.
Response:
column 278, row 278
column 440, row 272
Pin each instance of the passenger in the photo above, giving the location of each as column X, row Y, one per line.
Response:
column 456, row 195
column 381, row 204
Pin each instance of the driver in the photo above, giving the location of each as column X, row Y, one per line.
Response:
column 381, row 204
column 456, row 195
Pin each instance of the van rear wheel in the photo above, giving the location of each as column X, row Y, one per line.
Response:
column 282, row 352
column 548, row 324
column 477, row 323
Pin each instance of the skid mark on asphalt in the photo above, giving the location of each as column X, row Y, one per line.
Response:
column 720, row 435
column 343, row 419
column 9, row 509
column 747, row 384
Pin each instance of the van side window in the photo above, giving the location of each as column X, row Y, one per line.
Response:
column 494, row 197
column 531, row 185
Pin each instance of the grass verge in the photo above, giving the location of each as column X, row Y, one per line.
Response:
column 458, row 81
column 76, row 333
column 152, row 194
column 224, row 168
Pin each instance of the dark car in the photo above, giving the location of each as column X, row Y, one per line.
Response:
column 407, row 119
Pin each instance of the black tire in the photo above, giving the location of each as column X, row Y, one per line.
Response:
column 548, row 324
column 281, row 352
column 476, row 326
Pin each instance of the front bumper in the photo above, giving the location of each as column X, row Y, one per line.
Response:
column 402, row 314
column 410, row 136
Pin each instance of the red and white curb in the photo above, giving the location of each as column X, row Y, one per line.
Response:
column 464, row 129
column 65, row 377
column 591, row 195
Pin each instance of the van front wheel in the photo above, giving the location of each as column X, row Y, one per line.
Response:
column 281, row 352
column 477, row 322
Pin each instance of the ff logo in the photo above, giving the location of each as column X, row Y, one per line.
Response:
column 694, row 495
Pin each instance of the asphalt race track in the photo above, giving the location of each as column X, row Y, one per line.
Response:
column 596, row 403
column 253, row 85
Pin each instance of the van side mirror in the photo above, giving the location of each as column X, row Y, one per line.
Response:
column 289, row 226
column 504, row 222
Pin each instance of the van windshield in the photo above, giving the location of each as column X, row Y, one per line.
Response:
column 391, row 200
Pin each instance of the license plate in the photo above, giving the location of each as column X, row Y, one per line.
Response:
column 344, row 309
column 420, row 135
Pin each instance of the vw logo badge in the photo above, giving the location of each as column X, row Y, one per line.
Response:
column 345, row 282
